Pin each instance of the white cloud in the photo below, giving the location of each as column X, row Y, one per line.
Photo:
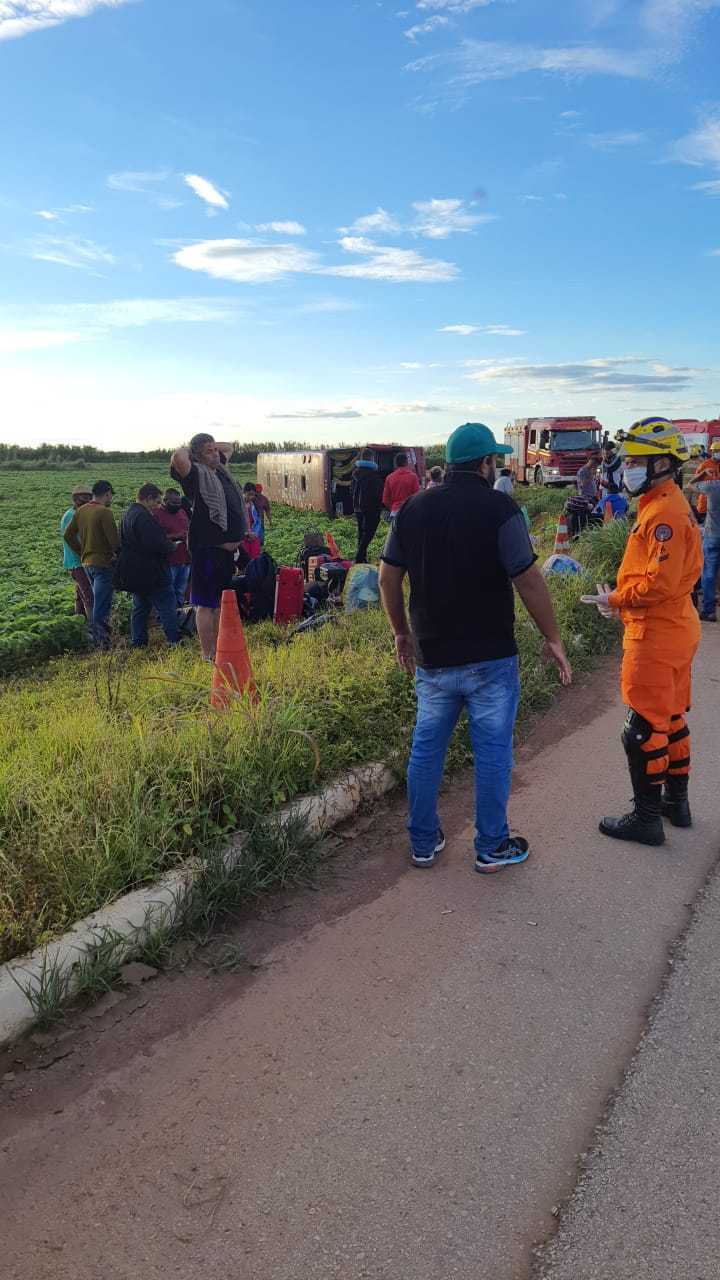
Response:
column 205, row 189
column 476, row 61
column 250, row 262
column 318, row 413
column 709, row 188
column 246, row 261
column 611, row 141
column 438, row 219
column 435, row 219
column 424, row 28
column 606, row 374
column 503, row 331
column 288, row 228
column 24, row 328
column 132, row 180
column 81, row 254
column 453, row 6
column 498, row 330
column 702, row 145
column 411, row 364
column 23, row 17
column 380, row 222
column 671, row 20
column 53, row 215
column 363, row 409
column 398, row 266
column 131, row 313
column 570, row 115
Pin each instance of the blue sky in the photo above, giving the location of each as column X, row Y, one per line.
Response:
column 346, row 220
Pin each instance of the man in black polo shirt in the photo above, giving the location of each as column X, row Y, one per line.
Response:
column 217, row 526
column 465, row 546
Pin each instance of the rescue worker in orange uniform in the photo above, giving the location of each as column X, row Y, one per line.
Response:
column 662, row 561
column 709, row 469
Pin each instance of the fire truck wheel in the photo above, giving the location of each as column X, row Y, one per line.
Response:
column 539, row 477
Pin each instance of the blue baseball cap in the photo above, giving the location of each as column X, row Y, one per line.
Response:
column 473, row 440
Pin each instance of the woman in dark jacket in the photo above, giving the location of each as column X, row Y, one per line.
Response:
column 143, row 568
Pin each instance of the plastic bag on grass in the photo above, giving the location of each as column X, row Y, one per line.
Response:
column 362, row 587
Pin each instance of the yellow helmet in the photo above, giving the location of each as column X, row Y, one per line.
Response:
column 654, row 438
column 715, row 446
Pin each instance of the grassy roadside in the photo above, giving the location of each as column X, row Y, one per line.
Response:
column 114, row 768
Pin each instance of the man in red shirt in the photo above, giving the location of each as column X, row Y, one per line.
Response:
column 175, row 523
column 400, row 485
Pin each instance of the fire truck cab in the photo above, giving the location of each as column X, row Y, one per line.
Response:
column 551, row 451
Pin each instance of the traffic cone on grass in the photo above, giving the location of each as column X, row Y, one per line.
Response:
column 562, row 540
column 232, row 673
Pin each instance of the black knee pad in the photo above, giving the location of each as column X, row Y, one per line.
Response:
column 636, row 731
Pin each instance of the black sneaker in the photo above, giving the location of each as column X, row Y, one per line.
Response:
column 708, row 617
column 513, row 850
column 429, row 859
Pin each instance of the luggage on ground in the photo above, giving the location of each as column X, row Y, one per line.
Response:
column 289, row 595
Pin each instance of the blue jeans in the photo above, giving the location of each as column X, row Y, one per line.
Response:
column 101, row 581
column 180, row 576
column 490, row 691
column 711, row 565
column 165, row 605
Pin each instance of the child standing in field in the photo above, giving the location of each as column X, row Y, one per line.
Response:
column 263, row 505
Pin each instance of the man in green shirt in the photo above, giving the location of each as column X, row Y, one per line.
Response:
column 92, row 534
column 71, row 561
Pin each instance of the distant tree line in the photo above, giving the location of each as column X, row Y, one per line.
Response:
column 61, row 457
column 54, row 457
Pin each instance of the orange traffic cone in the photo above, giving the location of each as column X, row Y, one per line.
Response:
column 607, row 513
column 332, row 545
column 562, row 540
column 232, row 673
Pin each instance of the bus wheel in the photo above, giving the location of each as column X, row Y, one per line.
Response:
column 539, row 477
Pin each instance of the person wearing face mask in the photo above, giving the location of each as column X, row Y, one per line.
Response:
column 175, row 523
column 653, row 598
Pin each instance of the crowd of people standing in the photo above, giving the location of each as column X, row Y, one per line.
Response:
column 460, row 643
column 170, row 549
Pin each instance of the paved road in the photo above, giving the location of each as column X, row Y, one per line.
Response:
column 405, row 1084
column 648, row 1206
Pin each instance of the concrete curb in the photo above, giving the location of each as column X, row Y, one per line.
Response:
column 135, row 914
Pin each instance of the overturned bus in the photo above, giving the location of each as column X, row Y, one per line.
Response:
column 320, row 479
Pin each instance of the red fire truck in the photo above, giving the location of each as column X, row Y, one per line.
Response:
column 699, row 434
column 551, row 450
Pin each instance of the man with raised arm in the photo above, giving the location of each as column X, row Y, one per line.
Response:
column 217, row 526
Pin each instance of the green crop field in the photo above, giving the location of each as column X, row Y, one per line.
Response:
column 37, row 594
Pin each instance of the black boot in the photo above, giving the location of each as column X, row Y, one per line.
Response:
column 675, row 805
column 644, row 824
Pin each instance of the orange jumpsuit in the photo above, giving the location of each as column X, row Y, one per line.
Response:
column 662, row 562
